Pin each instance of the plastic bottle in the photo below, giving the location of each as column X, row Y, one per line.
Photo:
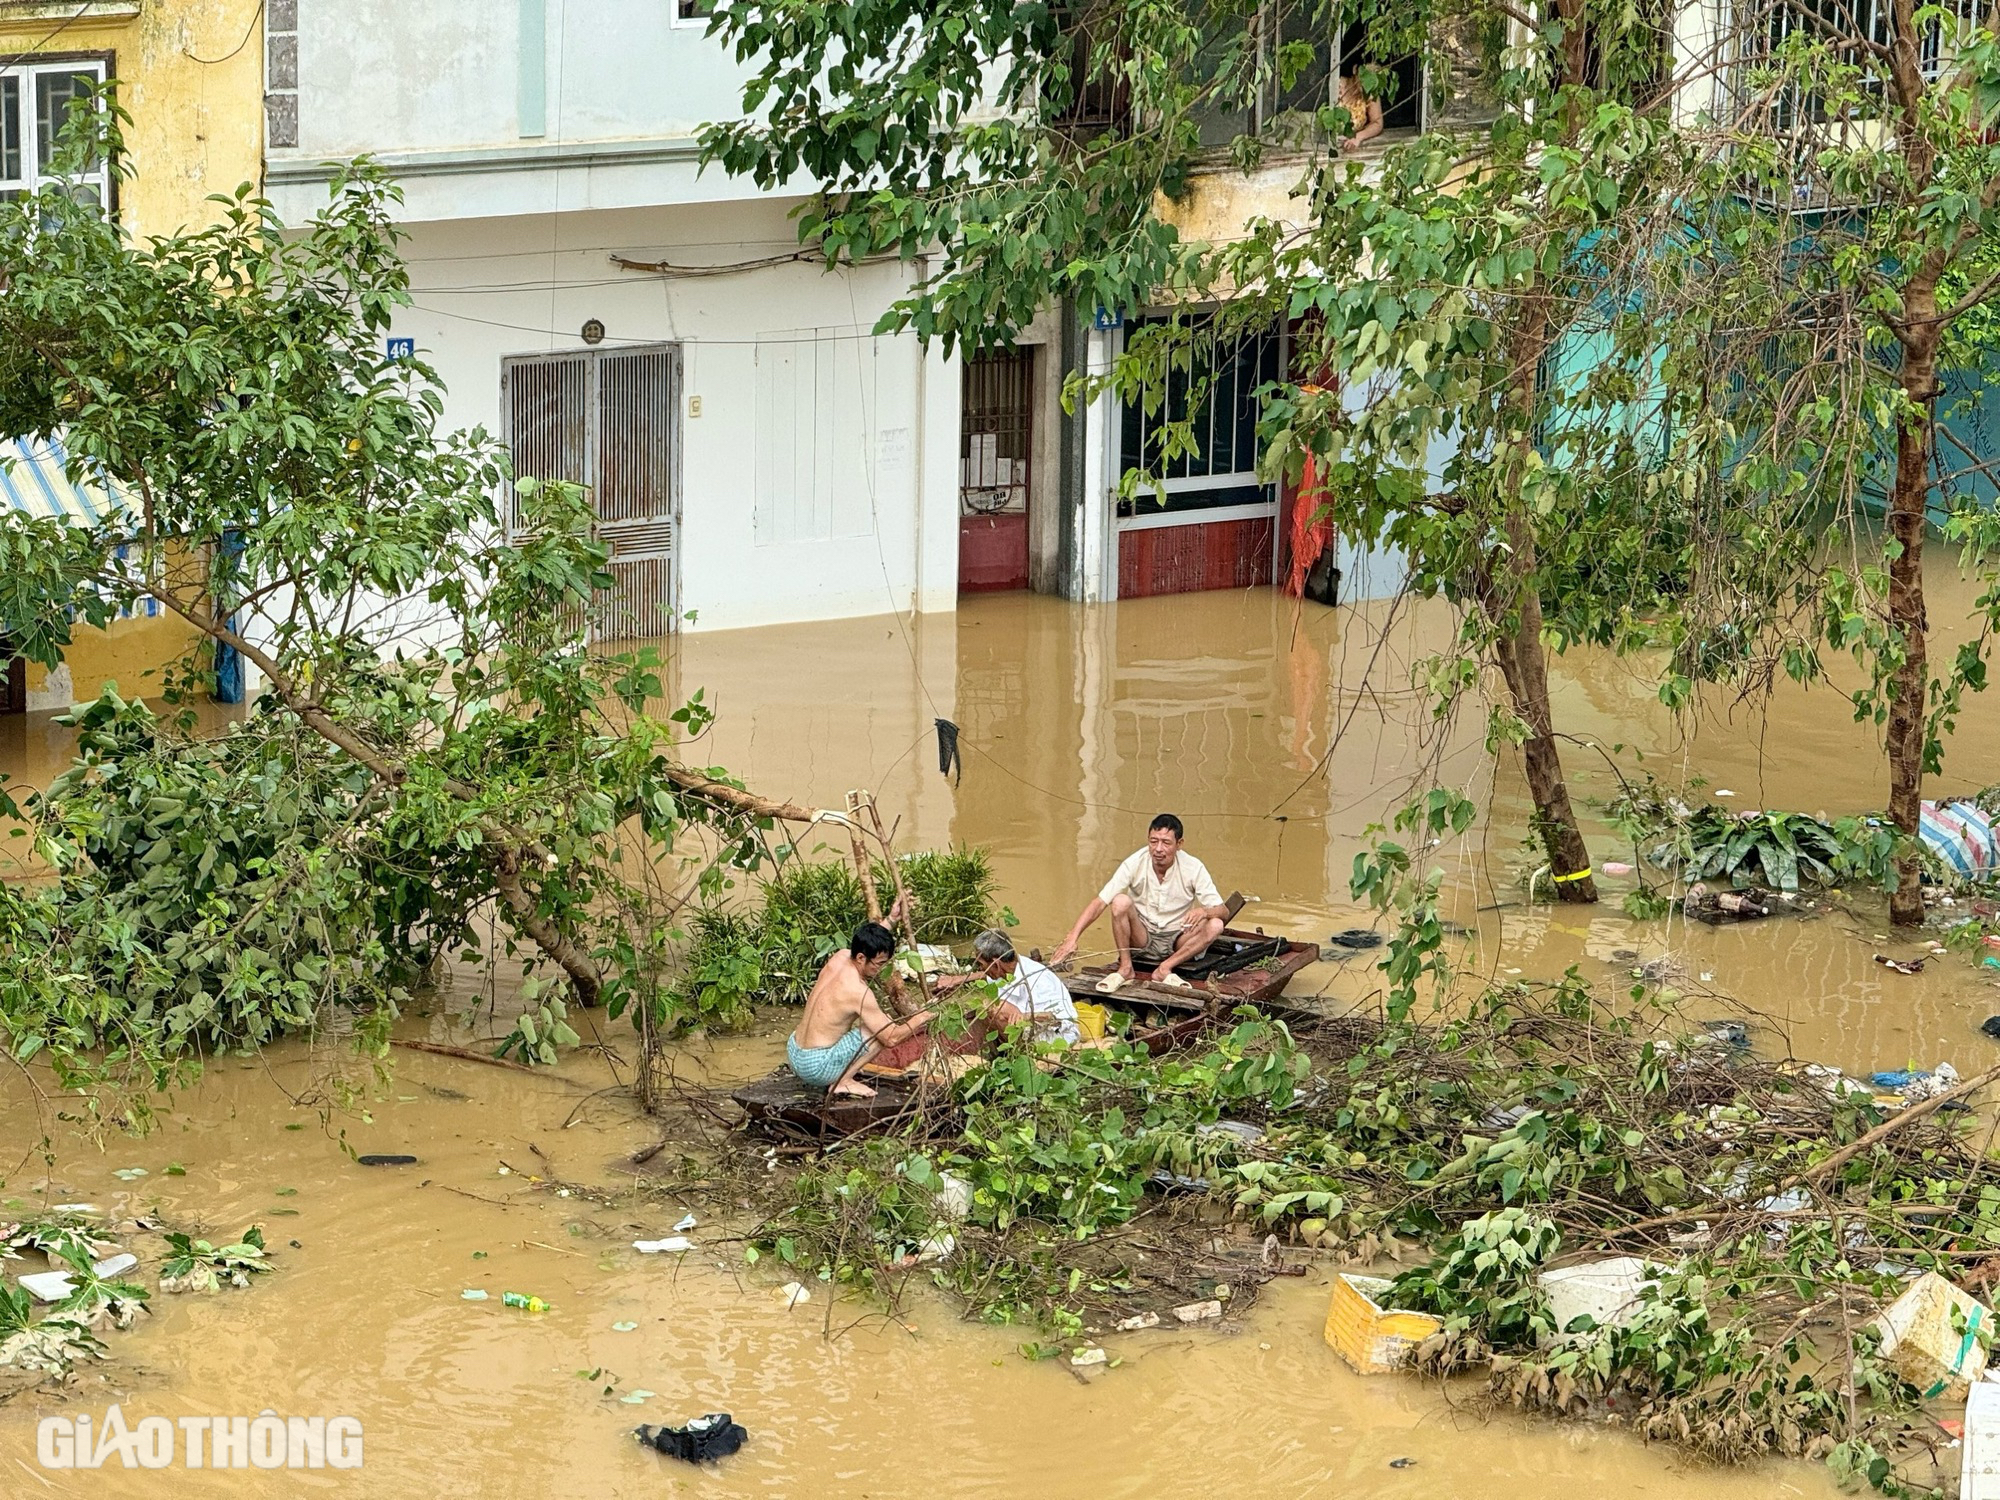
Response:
column 523, row 1300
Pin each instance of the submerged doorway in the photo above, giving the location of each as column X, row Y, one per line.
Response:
column 996, row 439
column 608, row 419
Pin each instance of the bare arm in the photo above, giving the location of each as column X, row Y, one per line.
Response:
column 1368, row 126
column 877, row 1027
column 1068, row 946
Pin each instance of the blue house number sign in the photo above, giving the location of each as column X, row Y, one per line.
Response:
column 402, row 348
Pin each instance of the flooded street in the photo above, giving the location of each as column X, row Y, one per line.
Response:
column 1279, row 736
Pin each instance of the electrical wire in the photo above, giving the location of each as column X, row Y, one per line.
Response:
column 8, row 64
column 728, row 268
column 209, row 62
column 614, row 338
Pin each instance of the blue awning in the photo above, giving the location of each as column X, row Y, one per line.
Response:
column 34, row 478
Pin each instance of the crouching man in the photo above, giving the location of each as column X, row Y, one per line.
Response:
column 844, row 1024
column 1164, row 906
column 1029, row 991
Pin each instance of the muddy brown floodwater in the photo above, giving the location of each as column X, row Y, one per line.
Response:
column 1279, row 735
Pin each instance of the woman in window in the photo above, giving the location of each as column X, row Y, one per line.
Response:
column 1366, row 113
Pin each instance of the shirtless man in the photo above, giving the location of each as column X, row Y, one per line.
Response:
column 844, row 1024
column 1164, row 906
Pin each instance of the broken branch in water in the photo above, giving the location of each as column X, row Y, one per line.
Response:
column 466, row 1054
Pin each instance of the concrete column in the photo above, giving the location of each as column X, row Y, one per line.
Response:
column 1097, row 533
column 940, row 381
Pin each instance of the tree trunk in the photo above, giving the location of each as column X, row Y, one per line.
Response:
column 1525, row 667
column 1909, row 507
column 1513, row 604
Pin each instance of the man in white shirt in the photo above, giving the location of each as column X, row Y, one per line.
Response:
column 1164, row 906
column 1028, row 991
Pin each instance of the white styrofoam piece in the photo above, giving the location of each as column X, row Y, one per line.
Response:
column 1605, row 1289
column 1979, row 1459
column 53, row 1286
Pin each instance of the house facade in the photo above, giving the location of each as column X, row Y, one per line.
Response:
column 190, row 74
column 620, row 317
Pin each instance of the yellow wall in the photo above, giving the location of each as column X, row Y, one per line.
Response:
column 127, row 652
column 197, row 126
column 191, row 75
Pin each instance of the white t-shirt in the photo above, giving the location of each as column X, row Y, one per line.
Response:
column 1164, row 903
column 1037, row 991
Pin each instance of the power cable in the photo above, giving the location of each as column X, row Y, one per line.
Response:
column 209, row 62
column 8, row 64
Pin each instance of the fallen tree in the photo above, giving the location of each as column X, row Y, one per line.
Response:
column 435, row 739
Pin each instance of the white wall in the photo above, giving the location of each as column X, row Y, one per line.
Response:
column 858, row 518
column 488, row 108
column 392, row 75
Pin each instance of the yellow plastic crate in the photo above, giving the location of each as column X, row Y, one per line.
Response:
column 1372, row 1338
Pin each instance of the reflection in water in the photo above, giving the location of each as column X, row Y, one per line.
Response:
column 1280, row 733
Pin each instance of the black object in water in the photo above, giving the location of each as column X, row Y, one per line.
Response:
column 379, row 1159
column 1991, row 1026
column 1356, row 938
column 702, row 1441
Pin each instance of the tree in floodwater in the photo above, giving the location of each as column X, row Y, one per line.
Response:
column 1467, row 295
column 436, row 738
column 1857, row 273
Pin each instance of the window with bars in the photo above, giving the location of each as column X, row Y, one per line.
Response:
column 1217, row 395
column 1290, row 110
column 35, row 103
column 693, row 12
column 1764, row 26
column 996, row 433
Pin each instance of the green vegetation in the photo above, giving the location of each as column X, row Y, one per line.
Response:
column 1551, row 1124
column 197, row 1266
column 320, row 856
column 806, row 910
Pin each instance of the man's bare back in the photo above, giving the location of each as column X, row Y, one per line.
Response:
column 836, row 1002
column 844, row 1024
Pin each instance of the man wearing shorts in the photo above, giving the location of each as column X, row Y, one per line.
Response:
column 1164, row 907
column 843, row 1024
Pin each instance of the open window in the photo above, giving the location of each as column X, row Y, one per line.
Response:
column 1283, row 106
column 36, row 101
column 1090, row 104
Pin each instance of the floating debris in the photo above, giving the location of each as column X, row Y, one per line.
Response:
column 673, row 1244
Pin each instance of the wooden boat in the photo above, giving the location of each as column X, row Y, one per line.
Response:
column 1239, row 968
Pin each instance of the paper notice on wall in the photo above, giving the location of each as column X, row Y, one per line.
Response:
column 892, row 452
column 982, row 459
